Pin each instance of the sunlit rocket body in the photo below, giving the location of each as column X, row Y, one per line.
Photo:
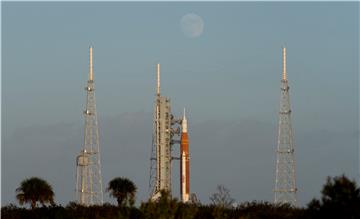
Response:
column 184, row 162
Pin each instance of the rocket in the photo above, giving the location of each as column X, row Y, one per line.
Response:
column 184, row 162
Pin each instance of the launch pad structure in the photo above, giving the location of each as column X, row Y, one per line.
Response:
column 285, row 183
column 165, row 129
column 89, row 190
column 167, row 132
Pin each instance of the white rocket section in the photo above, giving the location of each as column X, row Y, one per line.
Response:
column 184, row 123
column 185, row 196
column 183, row 183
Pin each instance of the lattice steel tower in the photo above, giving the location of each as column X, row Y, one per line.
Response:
column 162, row 141
column 89, row 189
column 285, row 184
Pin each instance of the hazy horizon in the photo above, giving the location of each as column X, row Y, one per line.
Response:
column 226, row 71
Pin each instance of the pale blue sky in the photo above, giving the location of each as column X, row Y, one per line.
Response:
column 228, row 75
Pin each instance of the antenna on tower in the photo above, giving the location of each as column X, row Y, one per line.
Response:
column 158, row 79
column 91, row 68
column 284, row 63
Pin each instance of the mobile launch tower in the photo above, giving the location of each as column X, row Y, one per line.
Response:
column 89, row 189
column 165, row 128
column 285, row 185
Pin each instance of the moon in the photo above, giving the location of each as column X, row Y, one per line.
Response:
column 192, row 25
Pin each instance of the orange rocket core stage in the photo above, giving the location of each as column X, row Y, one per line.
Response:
column 184, row 163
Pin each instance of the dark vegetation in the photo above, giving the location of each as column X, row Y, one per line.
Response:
column 123, row 190
column 35, row 190
column 340, row 198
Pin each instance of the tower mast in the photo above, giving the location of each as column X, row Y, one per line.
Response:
column 89, row 189
column 285, row 183
column 162, row 141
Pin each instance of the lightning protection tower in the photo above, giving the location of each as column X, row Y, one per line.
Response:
column 89, row 189
column 162, row 141
column 285, row 185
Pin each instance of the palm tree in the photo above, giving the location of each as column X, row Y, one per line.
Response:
column 123, row 190
column 34, row 190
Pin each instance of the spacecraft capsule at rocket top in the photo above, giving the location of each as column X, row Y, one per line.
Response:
column 184, row 123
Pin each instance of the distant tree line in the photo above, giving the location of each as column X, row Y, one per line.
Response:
column 340, row 199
